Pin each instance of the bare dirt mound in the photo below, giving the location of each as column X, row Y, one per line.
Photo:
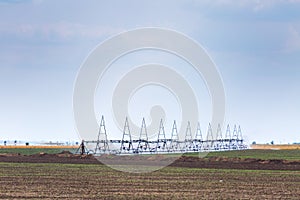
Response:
column 63, row 157
column 237, row 163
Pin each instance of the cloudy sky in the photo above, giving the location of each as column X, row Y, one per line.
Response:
column 255, row 45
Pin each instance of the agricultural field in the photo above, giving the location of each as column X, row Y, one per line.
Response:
column 30, row 150
column 250, row 174
column 290, row 154
column 256, row 153
column 276, row 146
column 94, row 181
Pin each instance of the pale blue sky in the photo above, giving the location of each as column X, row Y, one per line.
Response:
column 255, row 45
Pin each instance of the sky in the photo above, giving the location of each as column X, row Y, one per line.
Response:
column 254, row 44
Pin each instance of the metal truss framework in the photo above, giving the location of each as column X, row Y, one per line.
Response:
column 143, row 145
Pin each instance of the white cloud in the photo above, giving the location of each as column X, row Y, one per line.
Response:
column 67, row 29
column 255, row 5
column 60, row 30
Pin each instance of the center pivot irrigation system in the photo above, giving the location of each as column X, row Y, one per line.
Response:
column 162, row 144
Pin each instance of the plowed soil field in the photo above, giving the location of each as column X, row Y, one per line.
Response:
column 68, row 176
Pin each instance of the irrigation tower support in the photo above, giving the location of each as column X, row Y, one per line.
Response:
column 209, row 138
column 126, row 143
column 161, row 138
column 234, row 140
column 174, row 145
column 198, row 140
column 102, row 143
column 188, row 138
column 219, row 139
column 227, row 139
column 143, row 144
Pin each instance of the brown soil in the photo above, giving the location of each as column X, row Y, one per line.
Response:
column 184, row 161
column 64, row 181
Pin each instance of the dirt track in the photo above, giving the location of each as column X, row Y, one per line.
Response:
column 184, row 161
